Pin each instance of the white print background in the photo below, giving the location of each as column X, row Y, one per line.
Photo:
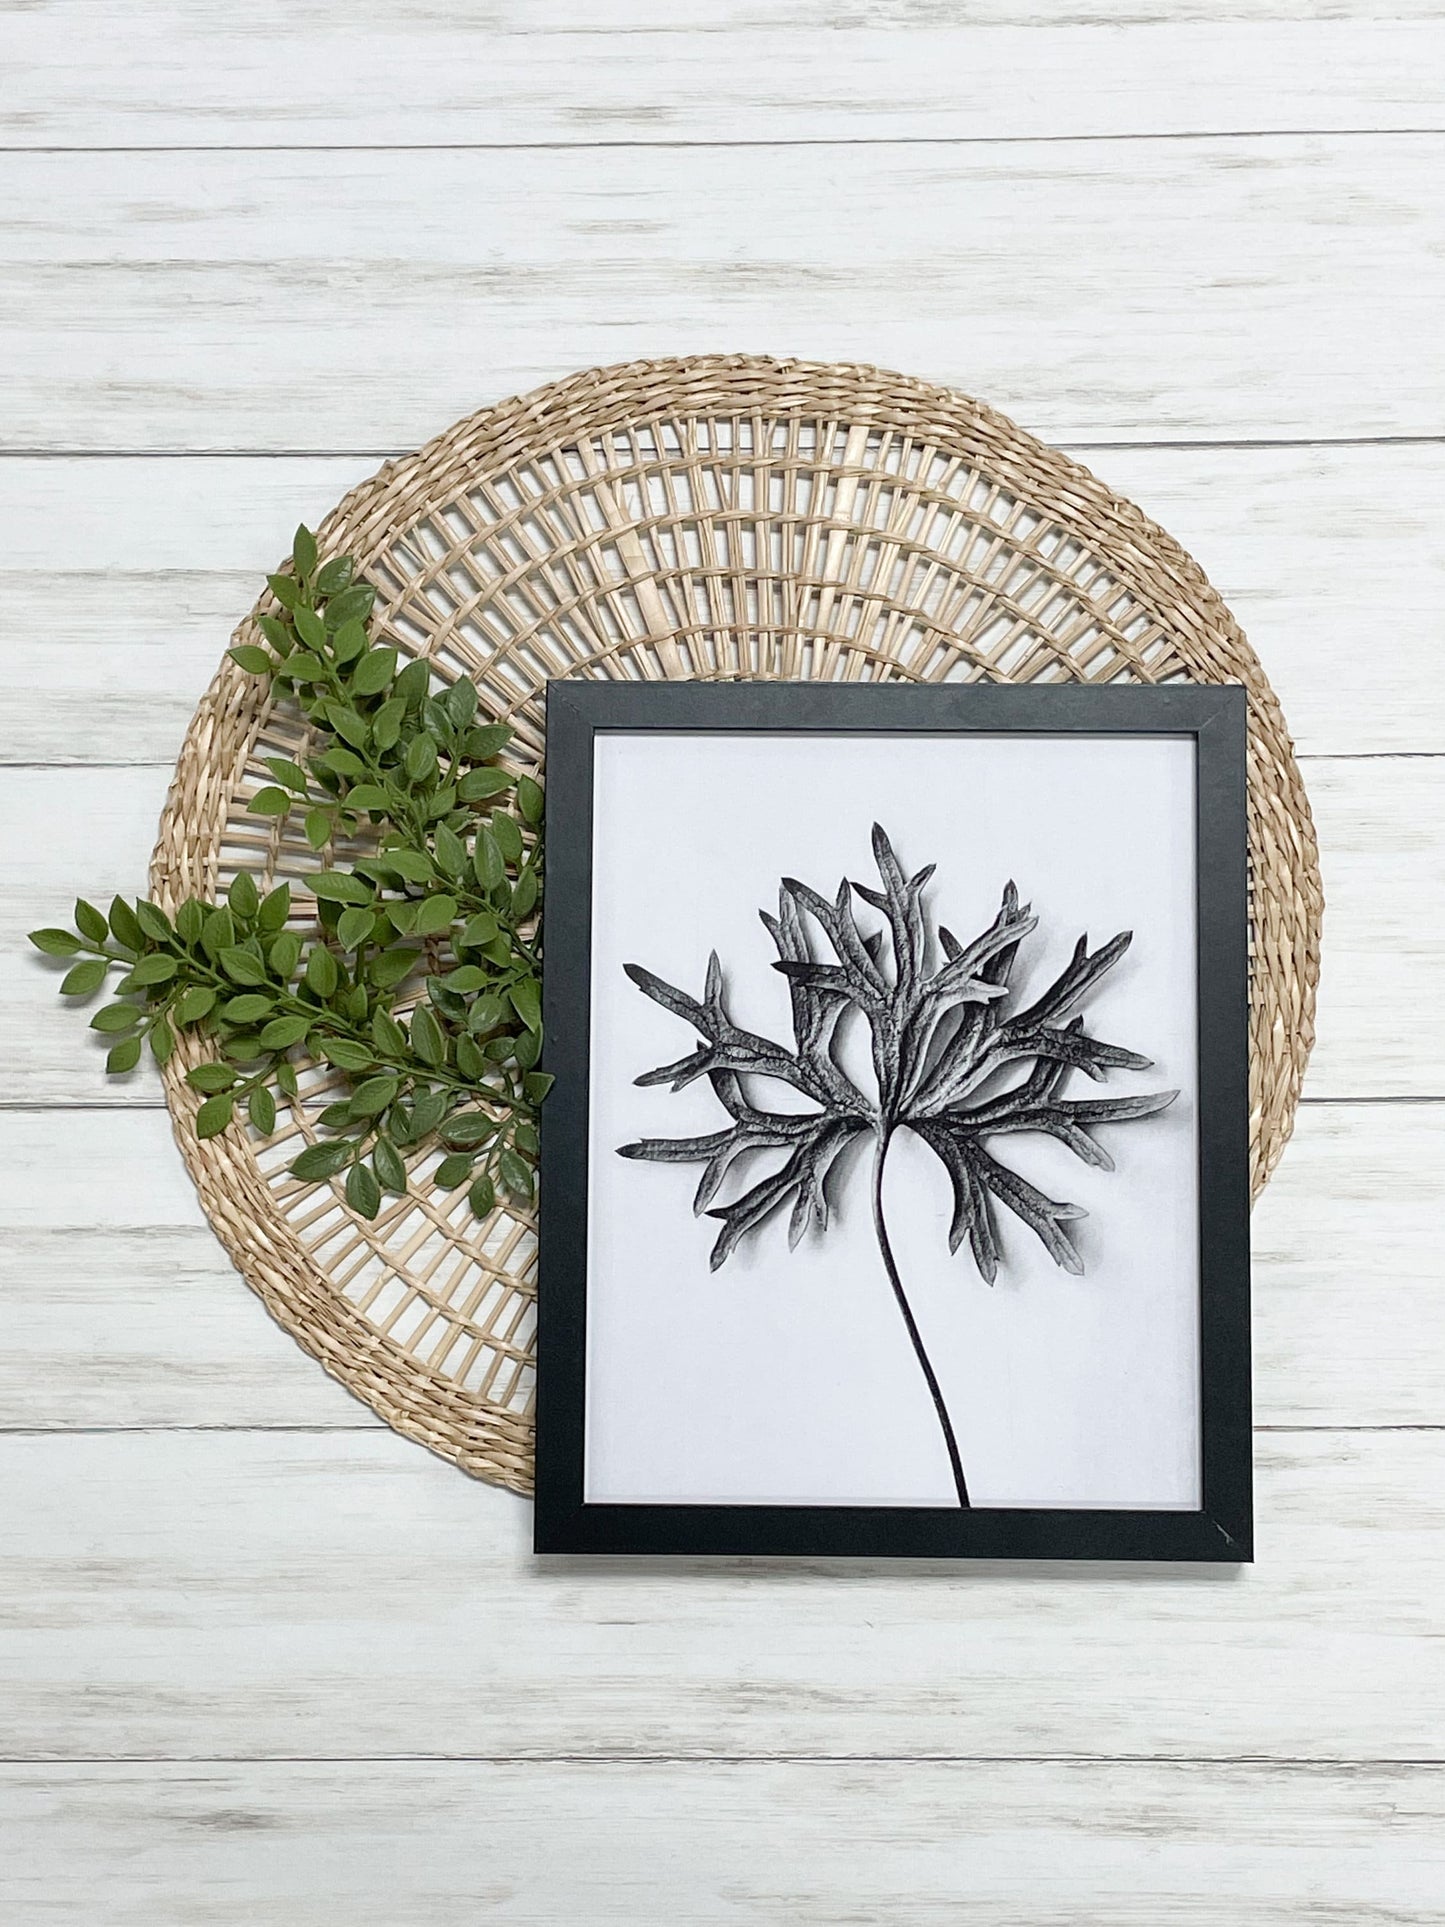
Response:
column 788, row 1377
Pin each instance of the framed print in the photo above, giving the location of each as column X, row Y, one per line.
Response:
column 894, row 1184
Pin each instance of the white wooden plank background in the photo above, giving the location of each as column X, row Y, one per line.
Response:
column 260, row 1660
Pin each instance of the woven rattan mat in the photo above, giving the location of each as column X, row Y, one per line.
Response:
column 720, row 517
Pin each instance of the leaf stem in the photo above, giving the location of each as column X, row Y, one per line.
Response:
column 885, row 1136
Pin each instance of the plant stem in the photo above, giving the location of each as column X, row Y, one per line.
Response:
column 885, row 1135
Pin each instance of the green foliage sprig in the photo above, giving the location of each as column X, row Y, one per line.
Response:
column 417, row 976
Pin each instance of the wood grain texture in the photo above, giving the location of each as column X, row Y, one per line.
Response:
column 121, row 580
column 159, row 74
column 123, row 1311
column 447, row 1843
column 251, row 1594
column 1382, row 834
column 1126, row 291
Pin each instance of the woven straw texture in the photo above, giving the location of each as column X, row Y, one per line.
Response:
column 709, row 518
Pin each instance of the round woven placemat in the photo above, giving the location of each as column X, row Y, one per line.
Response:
column 718, row 517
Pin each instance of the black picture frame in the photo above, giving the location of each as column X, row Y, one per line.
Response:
column 1221, row 1530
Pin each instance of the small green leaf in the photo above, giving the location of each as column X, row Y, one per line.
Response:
column 349, row 725
column 489, row 740
column 261, row 1109
column 453, row 1171
column 124, row 927
column 243, row 896
column 214, row 1115
column 434, row 914
column 349, row 640
column 124, row 1057
column 241, row 967
column 282, row 1032
column 191, row 920
column 346, row 1054
column 318, row 828
column 387, row 970
column 342, row 762
column 524, row 894
column 341, row 886
column 284, row 954
column 321, row 1160
column 386, row 724
column 427, row 1039
column 269, row 801
column 371, row 1098
column 153, row 921
column 288, row 774
column 480, row 929
column 303, row 551
column 217, row 933
column 515, row 1173
column 55, row 943
column 451, row 851
column 467, row 1130
column 526, row 999
column 253, row 659
column 353, row 927
column 285, row 588
column 89, row 922
column 509, row 837
column 389, row 1169
column 334, row 575
column 352, row 605
column 311, row 629
column 323, row 974
column 276, row 633
column 529, row 799
column 334, row 1117
column 196, row 1002
column 363, row 1193
column 158, row 968
column 410, row 865
column 84, row 978
column 486, row 1013
column 246, row 1010
column 162, row 1039
column 528, row 1048
column 420, row 761
column 367, row 796
column 471, row 1059
column 478, row 784
column 427, row 1112
column 211, row 1077
column 275, row 908
column 483, row 1197
column 111, row 1018
column 487, row 859
column 373, row 671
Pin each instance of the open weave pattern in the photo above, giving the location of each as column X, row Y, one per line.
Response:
column 728, row 516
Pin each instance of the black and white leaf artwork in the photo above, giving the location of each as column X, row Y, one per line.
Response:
column 946, row 1037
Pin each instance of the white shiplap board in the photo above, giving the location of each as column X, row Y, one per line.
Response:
column 1132, row 227
column 344, row 1594
column 122, row 1310
column 606, row 73
column 1381, row 820
column 446, row 1843
column 1134, row 291
column 121, row 580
